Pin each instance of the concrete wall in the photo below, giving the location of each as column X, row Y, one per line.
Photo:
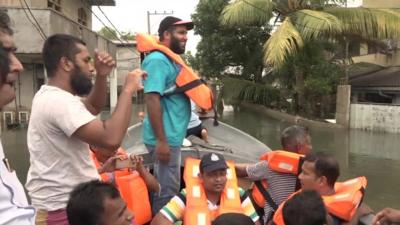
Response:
column 379, row 59
column 385, row 118
column 128, row 60
column 29, row 41
column 381, row 3
column 343, row 105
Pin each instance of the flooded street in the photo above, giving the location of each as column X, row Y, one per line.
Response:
column 360, row 153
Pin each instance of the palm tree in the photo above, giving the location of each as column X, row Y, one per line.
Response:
column 303, row 21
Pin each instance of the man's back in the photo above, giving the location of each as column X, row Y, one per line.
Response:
column 58, row 161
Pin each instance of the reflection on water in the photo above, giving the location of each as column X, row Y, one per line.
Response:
column 360, row 153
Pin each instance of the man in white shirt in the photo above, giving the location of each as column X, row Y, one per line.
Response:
column 63, row 123
column 14, row 208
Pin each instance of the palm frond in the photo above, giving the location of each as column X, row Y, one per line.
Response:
column 247, row 12
column 243, row 90
column 313, row 24
column 286, row 40
column 368, row 23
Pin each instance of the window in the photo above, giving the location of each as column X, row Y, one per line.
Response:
column 8, row 117
column 23, row 117
column 54, row 4
column 82, row 17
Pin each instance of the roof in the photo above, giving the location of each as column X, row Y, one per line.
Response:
column 371, row 75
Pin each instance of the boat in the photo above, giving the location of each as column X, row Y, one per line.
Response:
column 229, row 141
column 233, row 143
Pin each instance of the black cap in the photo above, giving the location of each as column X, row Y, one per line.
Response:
column 170, row 21
column 212, row 161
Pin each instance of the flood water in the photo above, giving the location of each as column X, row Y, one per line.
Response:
column 360, row 153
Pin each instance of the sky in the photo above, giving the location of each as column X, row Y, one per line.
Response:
column 131, row 15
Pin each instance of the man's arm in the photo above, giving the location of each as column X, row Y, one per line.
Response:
column 241, row 170
column 153, row 103
column 108, row 134
column 160, row 219
column 97, row 97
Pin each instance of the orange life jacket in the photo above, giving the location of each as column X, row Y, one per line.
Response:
column 133, row 190
column 343, row 204
column 187, row 80
column 279, row 161
column 197, row 212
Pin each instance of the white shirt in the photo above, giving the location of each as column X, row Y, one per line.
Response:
column 194, row 118
column 14, row 208
column 58, row 161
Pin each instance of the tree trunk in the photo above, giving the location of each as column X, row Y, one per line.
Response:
column 300, row 90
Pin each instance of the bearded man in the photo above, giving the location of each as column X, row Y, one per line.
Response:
column 165, row 124
column 63, row 123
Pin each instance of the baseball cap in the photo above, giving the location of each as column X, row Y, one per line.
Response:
column 212, row 161
column 169, row 21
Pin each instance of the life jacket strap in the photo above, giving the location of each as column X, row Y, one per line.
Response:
column 186, row 87
column 266, row 195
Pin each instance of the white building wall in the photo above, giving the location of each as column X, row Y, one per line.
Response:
column 385, row 118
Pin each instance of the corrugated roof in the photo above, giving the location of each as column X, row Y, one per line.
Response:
column 371, row 75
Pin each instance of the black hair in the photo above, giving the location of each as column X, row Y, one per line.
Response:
column 293, row 136
column 4, row 64
column 304, row 208
column 85, row 204
column 58, row 46
column 233, row 219
column 325, row 165
column 5, row 22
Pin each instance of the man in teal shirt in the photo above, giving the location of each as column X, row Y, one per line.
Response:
column 164, row 127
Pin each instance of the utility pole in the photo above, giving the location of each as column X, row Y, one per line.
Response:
column 158, row 14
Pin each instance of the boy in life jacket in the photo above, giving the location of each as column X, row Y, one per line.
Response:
column 320, row 172
column 216, row 188
column 134, row 183
column 295, row 141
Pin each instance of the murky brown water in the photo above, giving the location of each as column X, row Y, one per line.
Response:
column 374, row 155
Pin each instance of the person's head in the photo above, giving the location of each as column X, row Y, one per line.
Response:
column 304, row 208
column 102, row 154
column 319, row 172
column 296, row 139
column 97, row 203
column 213, row 172
column 232, row 219
column 67, row 56
column 10, row 71
column 173, row 33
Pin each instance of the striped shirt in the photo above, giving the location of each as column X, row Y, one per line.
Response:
column 280, row 185
column 175, row 208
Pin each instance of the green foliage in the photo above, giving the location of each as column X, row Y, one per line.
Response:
column 128, row 36
column 108, row 33
column 235, row 90
column 237, row 48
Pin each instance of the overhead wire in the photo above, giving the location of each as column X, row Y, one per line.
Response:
column 36, row 23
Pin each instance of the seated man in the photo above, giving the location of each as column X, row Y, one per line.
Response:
column 195, row 126
column 95, row 202
column 210, row 191
column 273, row 185
column 304, row 208
column 134, row 177
column 342, row 199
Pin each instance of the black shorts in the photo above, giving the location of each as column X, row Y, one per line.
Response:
column 196, row 131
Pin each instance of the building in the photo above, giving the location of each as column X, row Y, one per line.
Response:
column 53, row 16
column 371, row 101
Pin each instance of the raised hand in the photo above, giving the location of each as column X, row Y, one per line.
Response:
column 103, row 63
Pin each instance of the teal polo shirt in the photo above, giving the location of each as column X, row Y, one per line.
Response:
column 161, row 75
